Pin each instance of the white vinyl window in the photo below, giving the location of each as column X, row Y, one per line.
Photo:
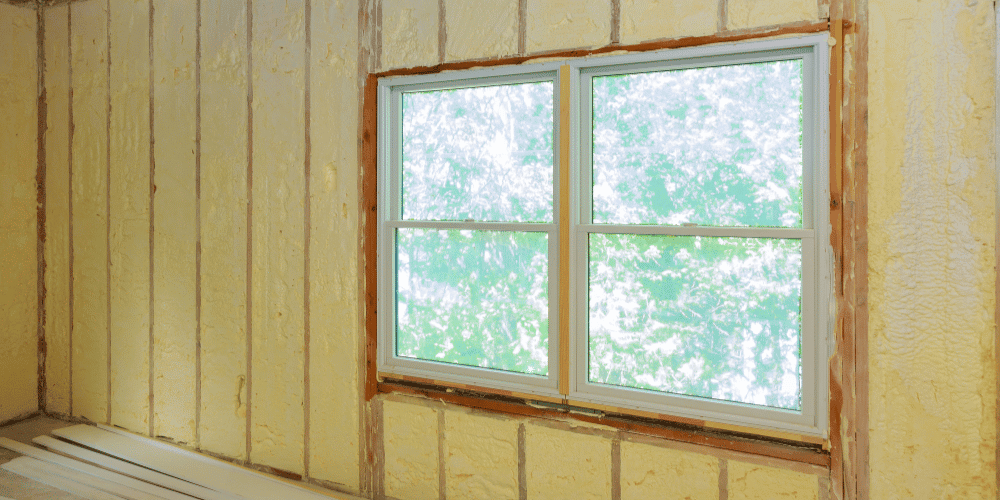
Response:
column 685, row 192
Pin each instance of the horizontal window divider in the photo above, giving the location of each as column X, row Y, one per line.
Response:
column 474, row 226
column 734, row 232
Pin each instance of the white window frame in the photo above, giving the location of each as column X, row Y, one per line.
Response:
column 817, row 259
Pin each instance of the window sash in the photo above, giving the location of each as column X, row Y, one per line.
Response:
column 817, row 283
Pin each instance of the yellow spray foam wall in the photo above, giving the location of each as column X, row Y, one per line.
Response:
column 57, row 241
column 252, row 279
column 89, row 46
column 224, row 62
column 18, row 226
column 932, row 228
column 130, row 212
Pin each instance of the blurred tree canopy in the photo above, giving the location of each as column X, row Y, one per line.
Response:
column 716, row 317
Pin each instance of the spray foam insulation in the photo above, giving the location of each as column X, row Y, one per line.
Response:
column 744, row 14
column 653, row 472
column 277, row 373
column 480, row 457
column 567, row 465
column 90, row 222
column 130, row 214
column 758, row 482
column 409, row 33
column 410, row 440
column 567, row 24
column 174, row 227
column 643, row 20
column 335, row 325
column 57, row 288
column 932, row 227
column 224, row 228
column 18, row 227
column 480, row 30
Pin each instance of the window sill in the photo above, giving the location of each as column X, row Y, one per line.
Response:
column 804, row 449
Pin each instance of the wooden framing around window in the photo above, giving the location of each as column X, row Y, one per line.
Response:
column 845, row 453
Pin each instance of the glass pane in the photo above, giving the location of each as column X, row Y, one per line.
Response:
column 481, row 153
column 476, row 298
column 719, row 146
column 703, row 316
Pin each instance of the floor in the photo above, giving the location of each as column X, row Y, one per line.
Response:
column 19, row 487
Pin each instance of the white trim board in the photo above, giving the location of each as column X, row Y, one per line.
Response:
column 104, row 485
column 47, row 456
column 142, row 473
column 190, row 466
column 27, row 470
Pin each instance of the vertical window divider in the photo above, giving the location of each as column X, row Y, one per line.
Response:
column 563, row 185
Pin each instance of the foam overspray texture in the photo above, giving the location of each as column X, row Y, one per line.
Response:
column 224, row 227
column 130, row 204
column 90, row 214
column 409, row 33
column 174, row 225
column 57, row 241
column 18, row 224
column 643, row 20
column 477, row 30
column 744, row 14
column 333, row 232
column 278, row 234
column 567, row 24
column 932, row 231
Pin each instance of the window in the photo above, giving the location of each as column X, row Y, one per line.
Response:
column 646, row 232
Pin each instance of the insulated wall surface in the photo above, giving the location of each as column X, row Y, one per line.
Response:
column 932, row 230
column 18, row 226
column 57, row 210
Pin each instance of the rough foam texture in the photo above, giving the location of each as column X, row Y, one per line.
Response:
column 175, row 234
column 643, row 20
column 410, row 440
column 334, row 319
column 653, row 472
column 567, row 465
column 90, row 223
column 480, row 30
column 409, row 33
column 744, row 14
column 130, row 214
column 224, row 228
column 57, row 375
column 757, row 482
column 480, row 457
column 18, row 230
column 278, row 281
column 932, row 225
column 567, row 24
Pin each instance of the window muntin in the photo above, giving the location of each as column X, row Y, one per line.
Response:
column 809, row 233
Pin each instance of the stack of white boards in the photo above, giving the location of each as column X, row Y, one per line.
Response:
column 105, row 463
